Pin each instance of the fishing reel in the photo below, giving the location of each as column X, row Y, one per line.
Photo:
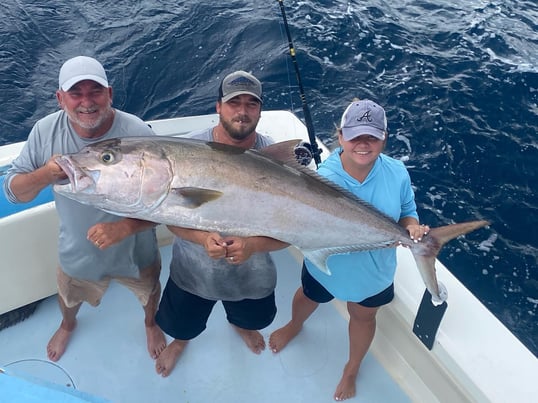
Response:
column 303, row 153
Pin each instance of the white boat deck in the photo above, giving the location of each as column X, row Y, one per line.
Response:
column 474, row 358
column 107, row 355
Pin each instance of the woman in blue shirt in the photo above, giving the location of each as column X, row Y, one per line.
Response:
column 363, row 279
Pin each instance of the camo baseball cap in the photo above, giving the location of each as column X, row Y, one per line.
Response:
column 364, row 117
column 237, row 83
column 81, row 68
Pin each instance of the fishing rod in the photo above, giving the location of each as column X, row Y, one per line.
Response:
column 308, row 119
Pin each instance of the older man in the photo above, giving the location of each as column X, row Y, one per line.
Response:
column 94, row 247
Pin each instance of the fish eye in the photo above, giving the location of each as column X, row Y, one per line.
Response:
column 108, row 157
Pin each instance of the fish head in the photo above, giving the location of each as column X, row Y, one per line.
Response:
column 122, row 176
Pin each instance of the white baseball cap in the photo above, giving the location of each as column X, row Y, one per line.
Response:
column 81, row 68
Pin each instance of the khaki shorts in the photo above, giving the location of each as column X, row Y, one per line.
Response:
column 74, row 291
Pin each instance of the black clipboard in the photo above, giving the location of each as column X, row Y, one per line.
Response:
column 428, row 319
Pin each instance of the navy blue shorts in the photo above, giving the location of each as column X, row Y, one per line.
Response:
column 184, row 316
column 317, row 293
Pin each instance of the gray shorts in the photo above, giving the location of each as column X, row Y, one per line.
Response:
column 74, row 291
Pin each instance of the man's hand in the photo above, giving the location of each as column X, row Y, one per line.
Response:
column 106, row 234
column 215, row 245
column 55, row 173
column 240, row 249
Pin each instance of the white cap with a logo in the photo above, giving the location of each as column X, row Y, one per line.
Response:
column 364, row 117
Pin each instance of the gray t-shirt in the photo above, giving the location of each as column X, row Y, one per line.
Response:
column 191, row 269
column 78, row 257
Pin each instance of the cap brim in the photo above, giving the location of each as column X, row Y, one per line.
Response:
column 350, row 133
column 236, row 93
column 72, row 81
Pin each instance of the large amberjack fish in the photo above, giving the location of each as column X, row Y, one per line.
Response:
column 215, row 187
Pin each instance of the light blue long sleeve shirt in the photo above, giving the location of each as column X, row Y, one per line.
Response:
column 360, row 275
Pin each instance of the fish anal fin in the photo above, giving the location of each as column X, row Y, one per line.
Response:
column 192, row 197
column 319, row 257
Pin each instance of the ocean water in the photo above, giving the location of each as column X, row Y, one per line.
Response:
column 459, row 82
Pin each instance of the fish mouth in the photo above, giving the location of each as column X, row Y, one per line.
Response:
column 80, row 180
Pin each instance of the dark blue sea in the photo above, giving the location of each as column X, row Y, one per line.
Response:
column 459, row 81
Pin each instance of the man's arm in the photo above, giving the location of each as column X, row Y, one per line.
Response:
column 213, row 242
column 26, row 186
column 218, row 247
column 191, row 235
column 106, row 234
column 239, row 249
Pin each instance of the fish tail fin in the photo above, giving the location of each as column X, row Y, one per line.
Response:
column 425, row 254
column 448, row 232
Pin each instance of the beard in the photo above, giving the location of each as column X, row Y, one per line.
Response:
column 239, row 132
column 95, row 123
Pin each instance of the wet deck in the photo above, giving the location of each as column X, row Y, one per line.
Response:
column 107, row 355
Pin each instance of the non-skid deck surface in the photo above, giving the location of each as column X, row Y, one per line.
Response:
column 107, row 354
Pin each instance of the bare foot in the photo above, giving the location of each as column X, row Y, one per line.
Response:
column 156, row 340
column 346, row 387
column 168, row 357
column 281, row 337
column 58, row 343
column 253, row 339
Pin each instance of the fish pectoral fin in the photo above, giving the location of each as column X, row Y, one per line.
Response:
column 192, row 197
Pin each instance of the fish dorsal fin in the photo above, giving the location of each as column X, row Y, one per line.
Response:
column 284, row 152
column 295, row 153
column 192, row 197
